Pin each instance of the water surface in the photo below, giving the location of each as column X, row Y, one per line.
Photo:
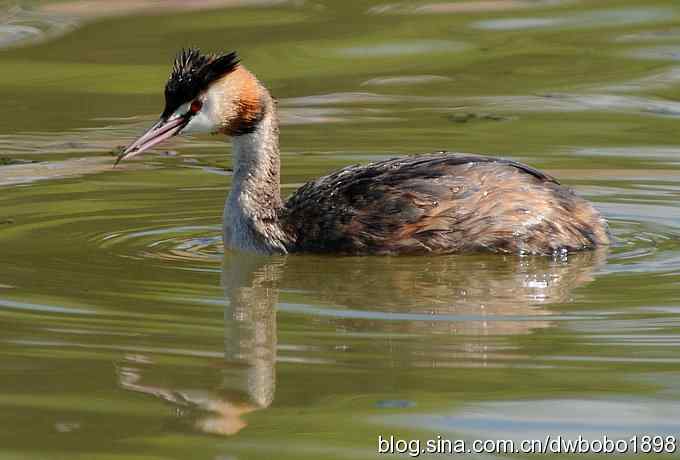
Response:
column 127, row 332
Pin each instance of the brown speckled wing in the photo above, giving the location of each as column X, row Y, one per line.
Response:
column 440, row 203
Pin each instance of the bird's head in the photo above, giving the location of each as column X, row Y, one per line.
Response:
column 206, row 93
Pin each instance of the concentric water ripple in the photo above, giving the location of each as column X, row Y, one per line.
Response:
column 188, row 244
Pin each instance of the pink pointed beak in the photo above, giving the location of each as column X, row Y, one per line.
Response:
column 159, row 132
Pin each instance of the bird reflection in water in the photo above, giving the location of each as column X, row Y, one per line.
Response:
column 248, row 374
column 462, row 300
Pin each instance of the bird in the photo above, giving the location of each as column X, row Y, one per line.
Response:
column 434, row 203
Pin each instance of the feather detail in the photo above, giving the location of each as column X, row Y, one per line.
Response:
column 192, row 72
column 440, row 203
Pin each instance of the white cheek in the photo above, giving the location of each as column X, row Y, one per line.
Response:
column 205, row 121
column 200, row 123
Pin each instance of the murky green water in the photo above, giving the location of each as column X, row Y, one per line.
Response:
column 126, row 333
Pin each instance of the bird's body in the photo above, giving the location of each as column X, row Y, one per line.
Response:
column 440, row 203
column 436, row 203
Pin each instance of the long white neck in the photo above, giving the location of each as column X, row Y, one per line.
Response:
column 251, row 211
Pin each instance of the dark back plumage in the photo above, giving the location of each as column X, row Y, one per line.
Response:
column 440, row 203
column 192, row 72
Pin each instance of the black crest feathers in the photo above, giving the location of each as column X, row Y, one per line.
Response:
column 192, row 72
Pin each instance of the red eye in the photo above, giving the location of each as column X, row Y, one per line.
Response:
column 196, row 106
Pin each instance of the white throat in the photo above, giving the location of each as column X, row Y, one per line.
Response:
column 251, row 211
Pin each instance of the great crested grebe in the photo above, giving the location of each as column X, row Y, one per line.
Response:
column 434, row 204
